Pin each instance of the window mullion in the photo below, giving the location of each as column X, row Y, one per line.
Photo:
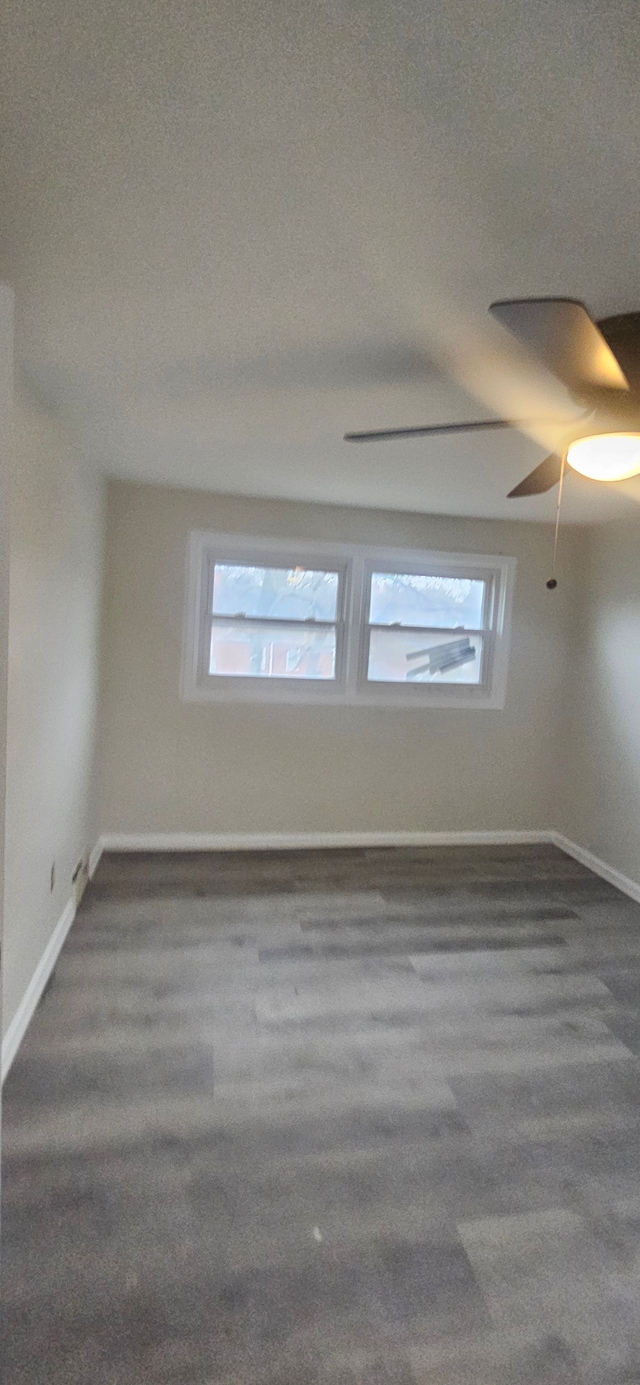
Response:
column 355, row 616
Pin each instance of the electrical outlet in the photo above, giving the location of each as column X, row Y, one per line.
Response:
column 53, row 876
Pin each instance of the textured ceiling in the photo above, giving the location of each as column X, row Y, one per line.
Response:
column 238, row 229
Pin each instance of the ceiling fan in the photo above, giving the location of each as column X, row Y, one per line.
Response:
column 598, row 363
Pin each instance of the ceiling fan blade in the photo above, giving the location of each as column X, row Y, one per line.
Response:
column 430, row 428
column 562, row 335
column 543, row 478
column 357, row 363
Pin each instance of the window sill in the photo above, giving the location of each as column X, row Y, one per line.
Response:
column 405, row 699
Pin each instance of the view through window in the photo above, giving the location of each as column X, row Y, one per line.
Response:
column 425, row 627
column 269, row 622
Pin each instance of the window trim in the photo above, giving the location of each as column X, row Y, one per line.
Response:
column 355, row 563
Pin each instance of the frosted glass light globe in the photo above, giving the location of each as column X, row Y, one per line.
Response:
column 606, row 456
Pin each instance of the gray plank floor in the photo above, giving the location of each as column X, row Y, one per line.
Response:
column 330, row 1118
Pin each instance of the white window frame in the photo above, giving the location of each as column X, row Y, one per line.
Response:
column 354, row 563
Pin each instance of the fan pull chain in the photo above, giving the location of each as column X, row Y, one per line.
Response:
column 553, row 581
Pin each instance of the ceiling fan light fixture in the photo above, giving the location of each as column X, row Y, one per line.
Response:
column 606, row 456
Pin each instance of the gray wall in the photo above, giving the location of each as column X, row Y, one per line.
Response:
column 167, row 766
column 602, row 808
column 55, row 574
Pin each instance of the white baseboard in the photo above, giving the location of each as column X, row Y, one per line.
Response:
column 24, row 1014
column 599, row 867
column 294, row 841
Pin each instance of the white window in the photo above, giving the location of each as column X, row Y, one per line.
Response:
column 272, row 620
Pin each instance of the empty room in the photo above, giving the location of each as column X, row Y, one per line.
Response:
column 320, row 692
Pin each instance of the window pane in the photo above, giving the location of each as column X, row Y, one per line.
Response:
column 395, row 657
column 276, row 651
column 287, row 593
column 406, row 599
